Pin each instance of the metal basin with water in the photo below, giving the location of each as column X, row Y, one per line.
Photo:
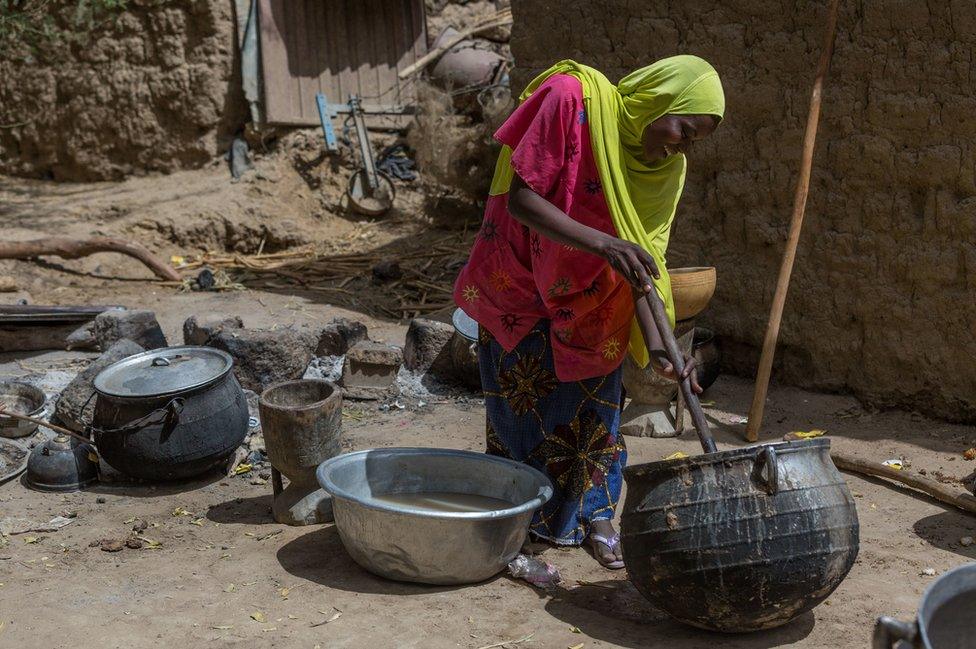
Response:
column 371, row 491
column 945, row 617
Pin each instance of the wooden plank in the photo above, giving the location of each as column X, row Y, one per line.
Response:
column 337, row 47
column 274, row 59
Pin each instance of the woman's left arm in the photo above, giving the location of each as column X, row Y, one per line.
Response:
column 655, row 346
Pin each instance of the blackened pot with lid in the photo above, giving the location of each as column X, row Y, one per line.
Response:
column 169, row 413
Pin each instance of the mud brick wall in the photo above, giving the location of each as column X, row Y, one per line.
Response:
column 883, row 297
column 153, row 88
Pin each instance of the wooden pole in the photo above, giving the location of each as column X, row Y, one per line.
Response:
column 796, row 224
column 939, row 491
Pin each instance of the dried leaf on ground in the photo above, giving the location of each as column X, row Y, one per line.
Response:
column 335, row 616
column 258, row 616
column 181, row 511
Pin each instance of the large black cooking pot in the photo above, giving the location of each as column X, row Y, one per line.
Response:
column 169, row 413
column 739, row 540
column 946, row 618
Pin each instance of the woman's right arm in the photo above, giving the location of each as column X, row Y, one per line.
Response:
column 630, row 260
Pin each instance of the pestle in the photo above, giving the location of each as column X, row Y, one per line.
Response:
column 678, row 362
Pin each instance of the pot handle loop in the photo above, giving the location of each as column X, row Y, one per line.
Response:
column 169, row 413
column 770, row 469
column 160, row 361
column 888, row 631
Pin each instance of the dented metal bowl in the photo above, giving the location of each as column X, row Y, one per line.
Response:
column 421, row 545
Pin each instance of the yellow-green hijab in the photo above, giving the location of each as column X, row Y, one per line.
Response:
column 641, row 196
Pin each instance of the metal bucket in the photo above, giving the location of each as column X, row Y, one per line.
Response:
column 945, row 619
column 422, row 545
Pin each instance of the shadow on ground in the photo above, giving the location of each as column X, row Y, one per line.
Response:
column 249, row 511
column 320, row 557
column 946, row 529
column 615, row 612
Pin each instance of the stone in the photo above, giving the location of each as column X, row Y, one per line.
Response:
column 76, row 404
column 427, row 346
column 263, row 357
column 82, row 338
column 339, row 335
column 139, row 326
column 111, row 545
column 386, row 270
column 370, row 371
column 198, row 330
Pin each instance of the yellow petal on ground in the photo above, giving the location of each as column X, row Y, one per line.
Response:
column 284, row 592
column 197, row 521
column 221, row 628
column 230, row 588
column 258, row 616
column 31, row 539
column 574, row 629
column 180, row 511
column 577, row 646
column 677, row 455
column 178, row 260
column 242, row 468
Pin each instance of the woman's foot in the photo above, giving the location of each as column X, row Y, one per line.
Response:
column 605, row 543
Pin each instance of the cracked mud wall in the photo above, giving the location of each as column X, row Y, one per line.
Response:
column 153, row 88
column 883, row 295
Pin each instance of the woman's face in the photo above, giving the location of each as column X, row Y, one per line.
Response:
column 673, row 134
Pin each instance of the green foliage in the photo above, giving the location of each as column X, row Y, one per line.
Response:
column 47, row 24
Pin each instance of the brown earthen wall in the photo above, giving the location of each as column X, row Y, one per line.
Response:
column 883, row 297
column 155, row 88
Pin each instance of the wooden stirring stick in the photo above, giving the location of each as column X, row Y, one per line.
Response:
column 678, row 362
column 41, row 422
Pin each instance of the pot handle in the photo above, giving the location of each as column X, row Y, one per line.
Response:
column 171, row 412
column 888, row 631
column 770, row 469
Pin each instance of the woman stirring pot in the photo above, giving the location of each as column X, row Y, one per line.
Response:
column 574, row 234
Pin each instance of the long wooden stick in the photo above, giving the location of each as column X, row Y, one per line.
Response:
column 796, row 224
column 74, row 248
column 678, row 363
column 41, row 422
column 501, row 18
column 937, row 490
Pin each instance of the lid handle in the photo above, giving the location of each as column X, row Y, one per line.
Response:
column 159, row 361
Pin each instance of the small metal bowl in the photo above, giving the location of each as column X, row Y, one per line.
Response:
column 23, row 399
column 423, row 545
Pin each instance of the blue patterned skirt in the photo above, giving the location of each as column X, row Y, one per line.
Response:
column 569, row 431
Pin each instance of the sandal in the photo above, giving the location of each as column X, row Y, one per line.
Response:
column 611, row 544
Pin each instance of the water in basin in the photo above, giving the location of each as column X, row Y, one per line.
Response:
column 444, row 501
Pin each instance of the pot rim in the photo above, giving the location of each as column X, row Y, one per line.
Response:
column 38, row 395
column 101, row 391
column 922, row 617
column 720, row 457
column 314, row 405
column 323, row 474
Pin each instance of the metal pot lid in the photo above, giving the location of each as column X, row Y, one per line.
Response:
column 465, row 324
column 162, row 372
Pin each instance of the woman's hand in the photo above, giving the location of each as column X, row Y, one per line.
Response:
column 663, row 367
column 630, row 260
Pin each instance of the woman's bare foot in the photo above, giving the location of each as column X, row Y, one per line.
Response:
column 605, row 543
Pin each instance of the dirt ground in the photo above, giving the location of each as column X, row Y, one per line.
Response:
column 228, row 562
